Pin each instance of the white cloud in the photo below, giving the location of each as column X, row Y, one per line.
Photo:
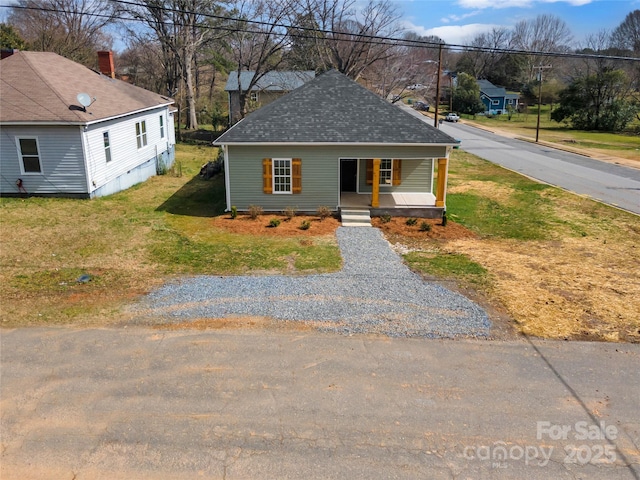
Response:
column 457, row 18
column 452, row 34
column 481, row 4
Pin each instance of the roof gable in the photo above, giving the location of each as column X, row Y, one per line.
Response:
column 490, row 90
column 43, row 86
column 333, row 109
column 270, row 81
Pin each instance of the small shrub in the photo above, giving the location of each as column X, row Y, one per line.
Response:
column 305, row 225
column 290, row 212
column 274, row 222
column 324, row 212
column 425, row 227
column 411, row 222
column 255, row 211
column 385, row 218
column 234, row 212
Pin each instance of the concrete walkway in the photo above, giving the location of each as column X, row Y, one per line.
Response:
column 139, row 403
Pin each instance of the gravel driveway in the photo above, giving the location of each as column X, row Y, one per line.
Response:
column 373, row 293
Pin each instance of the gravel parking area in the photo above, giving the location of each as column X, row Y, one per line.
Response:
column 373, row 293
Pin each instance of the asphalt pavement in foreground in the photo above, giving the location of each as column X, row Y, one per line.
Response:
column 141, row 403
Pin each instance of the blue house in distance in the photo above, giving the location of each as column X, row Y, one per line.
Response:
column 496, row 99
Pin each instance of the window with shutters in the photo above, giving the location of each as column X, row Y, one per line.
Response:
column 390, row 171
column 29, row 155
column 282, row 175
column 386, row 172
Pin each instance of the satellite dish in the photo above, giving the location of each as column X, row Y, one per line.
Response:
column 84, row 99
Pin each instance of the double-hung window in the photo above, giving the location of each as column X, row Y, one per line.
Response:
column 281, row 175
column 254, row 96
column 29, row 155
column 161, row 126
column 141, row 133
column 386, row 171
column 107, row 146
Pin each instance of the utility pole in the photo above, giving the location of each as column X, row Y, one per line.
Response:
column 435, row 118
column 540, row 68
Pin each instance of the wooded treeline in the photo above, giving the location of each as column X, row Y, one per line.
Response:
column 186, row 48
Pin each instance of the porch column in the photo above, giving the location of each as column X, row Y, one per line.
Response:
column 375, row 192
column 441, row 188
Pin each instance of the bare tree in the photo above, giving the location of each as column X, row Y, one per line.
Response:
column 69, row 28
column 627, row 35
column 181, row 27
column 545, row 33
column 258, row 41
column 342, row 46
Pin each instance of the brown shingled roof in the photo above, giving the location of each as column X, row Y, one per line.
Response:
column 42, row 87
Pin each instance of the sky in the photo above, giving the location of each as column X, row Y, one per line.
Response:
column 458, row 21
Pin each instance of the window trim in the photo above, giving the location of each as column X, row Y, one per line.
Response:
column 390, row 170
column 254, row 96
column 495, row 102
column 107, row 146
column 21, row 156
column 161, row 126
column 274, row 176
column 141, row 134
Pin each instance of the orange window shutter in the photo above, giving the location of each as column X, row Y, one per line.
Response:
column 397, row 172
column 370, row 171
column 296, row 175
column 267, row 176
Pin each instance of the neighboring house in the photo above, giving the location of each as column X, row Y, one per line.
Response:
column 334, row 143
column 496, row 99
column 51, row 145
column 270, row 86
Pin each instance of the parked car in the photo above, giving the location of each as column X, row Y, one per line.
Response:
column 419, row 105
column 452, row 117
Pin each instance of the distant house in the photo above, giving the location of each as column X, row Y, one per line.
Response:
column 334, row 143
column 51, row 144
column 496, row 99
column 269, row 87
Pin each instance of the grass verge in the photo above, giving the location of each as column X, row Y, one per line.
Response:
column 562, row 266
column 128, row 243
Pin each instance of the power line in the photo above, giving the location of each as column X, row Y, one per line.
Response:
column 293, row 32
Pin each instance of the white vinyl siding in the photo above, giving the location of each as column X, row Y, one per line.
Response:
column 281, row 175
column 141, row 134
column 107, row 146
column 29, row 155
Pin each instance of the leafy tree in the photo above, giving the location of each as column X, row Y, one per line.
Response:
column 10, row 38
column 596, row 102
column 467, row 96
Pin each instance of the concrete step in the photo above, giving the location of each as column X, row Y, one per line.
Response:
column 355, row 218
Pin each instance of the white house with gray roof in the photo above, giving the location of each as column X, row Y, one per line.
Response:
column 268, row 87
column 331, row 142
column 52, row 145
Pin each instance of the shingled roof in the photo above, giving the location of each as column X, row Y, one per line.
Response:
column 41, row 87
column 270, row 81
column 333, row 109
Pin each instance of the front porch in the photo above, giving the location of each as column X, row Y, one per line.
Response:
column 398, row 204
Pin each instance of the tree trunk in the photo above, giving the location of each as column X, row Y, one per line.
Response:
column 192, row 119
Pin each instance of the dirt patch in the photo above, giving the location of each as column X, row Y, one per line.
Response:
column 397, row 227
column 486, row 189
column 243, row 224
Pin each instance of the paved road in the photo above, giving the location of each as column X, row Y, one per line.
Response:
column 153, row 404
column 610, row 183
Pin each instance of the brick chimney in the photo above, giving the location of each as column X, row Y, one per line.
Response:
column 105, row 63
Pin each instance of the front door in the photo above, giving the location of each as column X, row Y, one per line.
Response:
column 348, row 175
